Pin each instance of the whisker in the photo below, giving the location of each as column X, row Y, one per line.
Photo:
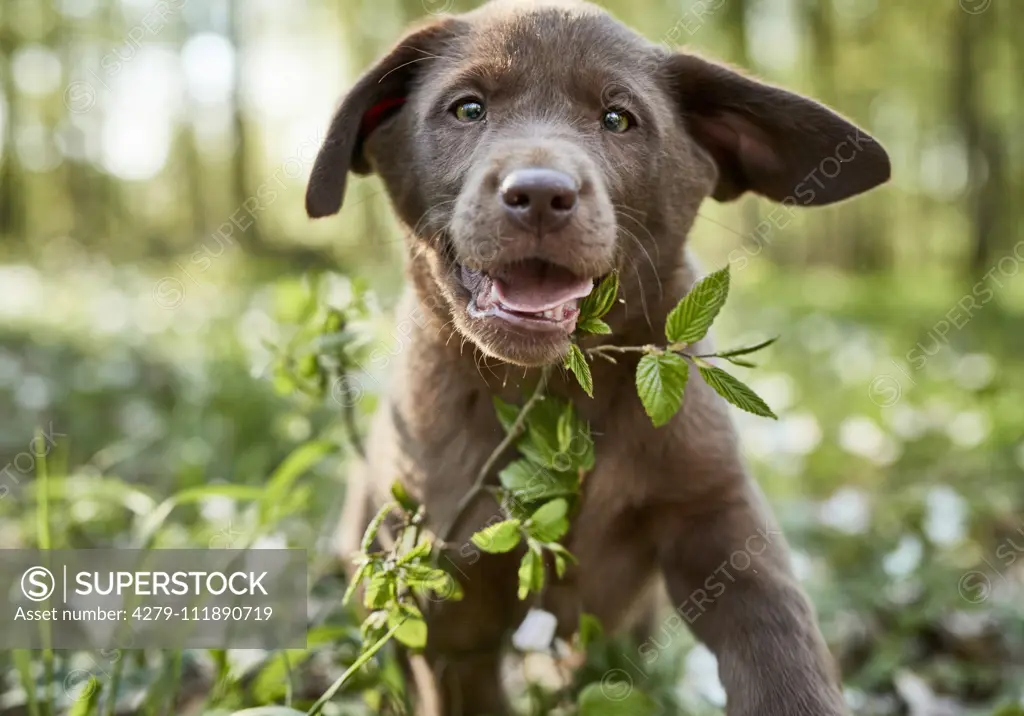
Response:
column 719, row 223
column 643, row 294
column 645, row 230
column 643, row 250
column 406, row 64
column 654, row 271
column 626, row 209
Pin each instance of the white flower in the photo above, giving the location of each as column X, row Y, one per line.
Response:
column 536, row 632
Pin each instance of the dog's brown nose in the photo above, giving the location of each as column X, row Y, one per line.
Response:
column 539, row 199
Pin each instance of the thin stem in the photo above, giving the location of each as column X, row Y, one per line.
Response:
column 597, row 350
column 43, row 528
column 517, row 427
column 175, row 669
column 115, row 685
column 363, row 658
column 289, row 677
column 23, row 662
column 744, row 350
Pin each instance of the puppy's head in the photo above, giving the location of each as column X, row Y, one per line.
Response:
column 534, row 148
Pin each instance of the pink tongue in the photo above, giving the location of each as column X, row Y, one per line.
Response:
column 535, row 286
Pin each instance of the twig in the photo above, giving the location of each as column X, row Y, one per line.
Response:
column 742, row 351
column 601, row 350
column 513, row 433
column 363, row 658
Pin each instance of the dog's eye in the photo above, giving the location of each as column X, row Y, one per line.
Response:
column 617, row 121
column 469, row 110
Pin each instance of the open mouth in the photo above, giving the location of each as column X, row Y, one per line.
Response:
column 532, row 294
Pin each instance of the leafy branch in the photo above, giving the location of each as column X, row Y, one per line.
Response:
column 541, row 489
column 513, row 432
column 663, row 371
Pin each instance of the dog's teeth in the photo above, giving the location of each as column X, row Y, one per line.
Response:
column 549, row 314
column 494, row 294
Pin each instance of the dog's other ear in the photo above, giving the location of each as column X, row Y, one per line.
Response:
column 770, row 141
column 376, row 96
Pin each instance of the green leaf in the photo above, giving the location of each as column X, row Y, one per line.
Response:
column 747, row 349
column 537, row 449
column 410, row 629
column 531, row 574
column 577, row 363
column 590, row 629
column 438, row 581
column 565, row 426
column 513, row 505
column 594, row 325
column 562, row 557
column 601, row 299
column 540, row 442
column 421, row 575
column 86, row 700
column 734, row 391
column 549, row 522
column 579, row 453
column 507, row 413
column 690, row 320
column 402, row 497
column 374, row 625
column 298, row 462
column 530, row 482
column 660, row 382
column 421, row 550
column 371, row 529
column 615, row 698
column 559, row 565
column 380, row 590
column 499, row 537
column 413, row 633
column 152, row 521
column 364, row 569
column 269, row 711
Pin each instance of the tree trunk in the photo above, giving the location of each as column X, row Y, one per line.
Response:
column 981, row 139
column 12, row 185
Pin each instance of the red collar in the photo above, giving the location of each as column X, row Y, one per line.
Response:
column 378, row 113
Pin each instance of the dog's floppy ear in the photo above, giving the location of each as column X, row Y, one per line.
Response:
column 377, row 95
column 771, row 141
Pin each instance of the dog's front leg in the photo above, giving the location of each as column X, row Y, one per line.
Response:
column 728, row 576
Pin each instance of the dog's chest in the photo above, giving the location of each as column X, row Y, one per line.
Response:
column 442, row 435
column 442, row 452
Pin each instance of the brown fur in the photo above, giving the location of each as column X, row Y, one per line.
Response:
column 675, row 502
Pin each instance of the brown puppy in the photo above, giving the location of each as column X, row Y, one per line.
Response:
column 531, row 148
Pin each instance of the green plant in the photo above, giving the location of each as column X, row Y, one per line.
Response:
column 663, row 371
column 539, row 491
